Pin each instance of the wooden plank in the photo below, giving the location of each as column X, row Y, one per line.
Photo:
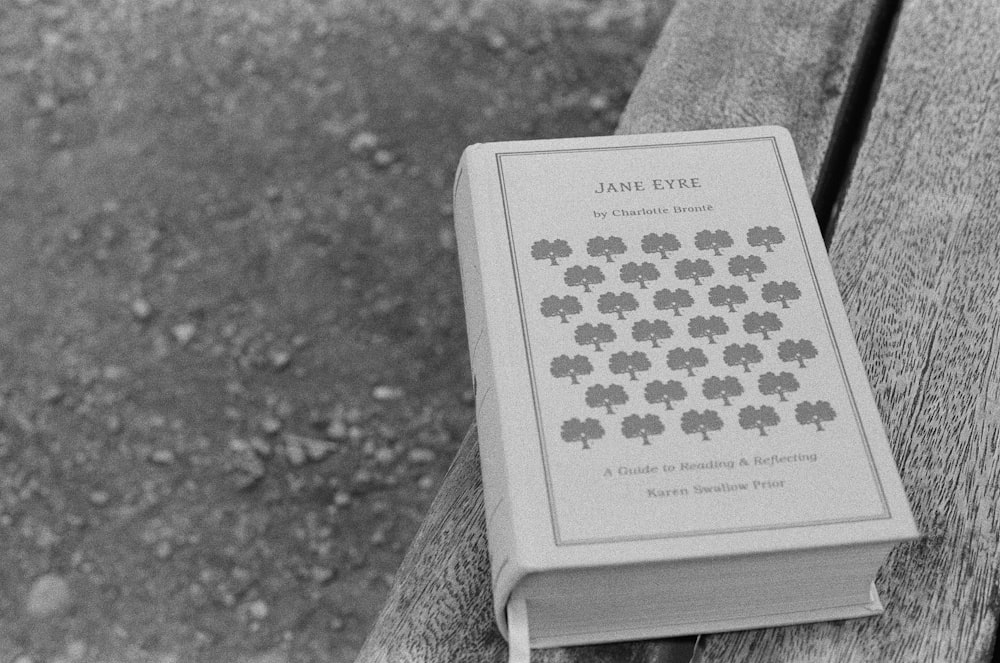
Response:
column 760, row 62
column 917, row 257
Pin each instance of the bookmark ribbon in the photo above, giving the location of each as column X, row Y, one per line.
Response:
column 517, row 630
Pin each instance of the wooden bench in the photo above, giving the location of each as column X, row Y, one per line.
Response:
column 896, row 114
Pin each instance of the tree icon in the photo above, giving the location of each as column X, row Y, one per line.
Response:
column 584, row 431
column 544, row 249
column 759, row 418
column 635, row 273
column 809, row 413
column 644, row 330
column 662, row 244
column 761, row 323
column 780, row 292
column 693, row 269
column 690, row 359
column 598, row 395
column 742, row 355
column 611, row 246
column 610, row 302
column 644, row 426
column 720, row 295
column 673, row 300
column 555, row 306
column 565, row 366
column 746, row 266
column 587, row 333
column 713, row 240
column 781, row 383
column 665, row 392
column 765, row 237
column 693, row 421
column 724, row 388
column 799, row 351
column 585, row 276
column 701, row 327
column 628, row 362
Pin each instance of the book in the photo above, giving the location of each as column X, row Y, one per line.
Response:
column 676, row 431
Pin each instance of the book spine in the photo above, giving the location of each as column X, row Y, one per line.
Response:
column 504, row 569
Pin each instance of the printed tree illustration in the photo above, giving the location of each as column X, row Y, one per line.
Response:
column 662, row 244
column 766, row 237
column 720, row 295
column 632, row 272
column 555, row 306
column 693, row 421
column 628, row 362
column 690, row 359
column 644, row 426
column 565, row 366
column 544, row 249
column 587, row 333
column 673, row 300
column 746, row 266
column 610, row 302
column 780, row 292
column 799, row 351
column 665, row 392
column 598, row 395
column 777, row 383
column 574, row 430
column 814, row 413
column 713, row 240
column 701, row 327
column 585, row 276
column 761, row 323
column 742, row 355
column 695, row 270
column 644, row 330
column 724, row 388
column 759, row 418
column 607, row 247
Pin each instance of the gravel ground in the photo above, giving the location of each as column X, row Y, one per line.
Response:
column 232, row 343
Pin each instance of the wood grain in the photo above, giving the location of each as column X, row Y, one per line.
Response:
column 760, row 62
column 917, row 257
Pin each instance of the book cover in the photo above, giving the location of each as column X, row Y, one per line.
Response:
column 663, row 365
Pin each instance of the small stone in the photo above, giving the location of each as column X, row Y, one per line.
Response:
column 46, row 102
column 24, row 658
column 363, row 142
column 280, row 359
column 296, row 454
column 99, row 497
column 421, row 455
column 383, row 158
column 163, row 550
column 257, row 609
column 162, row 457
column 378, row 537
column 425, row 482
column 76, row 650
column 384, row 456
column 142, row 310
column 387, row 393
column 114, row 372
column 184, row 332
column 342, row 498
column 598, row 102
column 272, row 193
column 52, row 394
column 337, row 430
column 48, row 596
column 355, row 434
column 270, row 425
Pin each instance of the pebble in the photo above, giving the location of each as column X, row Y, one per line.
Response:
column 421, row 455
column 142, row 310
column 336, row 623
column 296, row 454
column 384, row 456
column 76, row 650
column 363, row 142
column 387, row 393
column 383, row 158
column 52, row 394
column 184, row 332
column 257, row 609
column 99, row 497
column 270, row 425
column 280, row 359
column 425, row 482
column 46, row 102
column 163, row 550
column 342, row 498
column 48, row 596
column 162, row 457
column 337, row 430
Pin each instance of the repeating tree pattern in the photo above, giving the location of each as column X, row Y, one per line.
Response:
column 607, row 247
column 652, row 331
column 642, row 426
column 555, row 306
column 783, row 292
column 565, row 366
column 664, row 244
column 583, row 276
column 632, row 272
column 551, row 250
column 575, row 430
column 668, row 393
column 654, row 337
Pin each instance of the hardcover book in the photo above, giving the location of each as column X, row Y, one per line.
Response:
column 676, row 431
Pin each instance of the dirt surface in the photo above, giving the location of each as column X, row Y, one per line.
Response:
column 232, row 352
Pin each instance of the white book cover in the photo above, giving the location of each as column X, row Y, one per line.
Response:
column 664, row 367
